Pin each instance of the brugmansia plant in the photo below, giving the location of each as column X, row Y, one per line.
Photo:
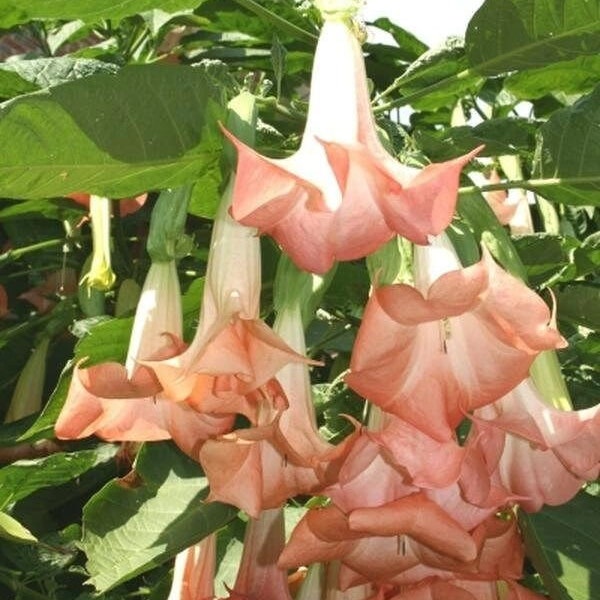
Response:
column 264, row 336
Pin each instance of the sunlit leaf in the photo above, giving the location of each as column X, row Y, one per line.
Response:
column 115, row 135
column 137, row 522
column 508, row 35
column 563, row 544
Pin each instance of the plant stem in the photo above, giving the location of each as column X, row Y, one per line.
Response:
column 282, row 23
column 529, row 184
column 17, row 253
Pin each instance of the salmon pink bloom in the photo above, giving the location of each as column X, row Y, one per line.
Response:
column 230, row 364
column 120, row 403
column 463, row 589
column 258, row 468
column 194, row 573
column 461, row 340
column 542, row 454
column 341, row 195
column 127, row 206
column 259, row 577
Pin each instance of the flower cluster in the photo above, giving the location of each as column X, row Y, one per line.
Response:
column 408, row 510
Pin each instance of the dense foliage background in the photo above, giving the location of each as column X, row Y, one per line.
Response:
column 118, row 99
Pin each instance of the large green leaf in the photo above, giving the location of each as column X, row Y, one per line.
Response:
column 570, row 77
column 499, row 136
column 569, row 153
column 24, row 477
column 508, row 35
column 443, row 73
column 563, row 542
column 23, row 76
column 146, row 127
column 579, row 303
column 135, row 523
column 20, row 11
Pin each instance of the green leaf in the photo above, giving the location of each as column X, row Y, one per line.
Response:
column 150, row 126
column 135, row 523
column 19, row 480
column 22, row 11
column 579, row 303
column 510, row 35
column 443, row 73
column 563, row 543
column 45, row 72
column 12, row 84
column 410, row 46
column 11, row 529
column 473, row 208
column 575, row 76
column 569, row 153
column 500, row 136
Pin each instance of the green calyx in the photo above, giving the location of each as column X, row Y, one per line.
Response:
column 338, row 9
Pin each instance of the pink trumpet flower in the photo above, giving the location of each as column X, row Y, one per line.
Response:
column 126, row 403
column 259, row 577
column 258, row 468
column 230, row 364
column 461, row 340
column 542, row 454
column 462, row 589
column 341, row 195
column 194, row 573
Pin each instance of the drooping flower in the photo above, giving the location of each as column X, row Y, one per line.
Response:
column 100, row 276
column 461, row 340
column 282, row 455
column 541, row 454
column 194, row 573
column 259, row 577
column 341, row 195
column 230, row 364
column 127, row 206
column 126, row 403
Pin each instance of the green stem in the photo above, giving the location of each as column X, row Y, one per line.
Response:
column 24, row 592
column 280, row 22
column 530, row 184
column 272, row 102
column 17, row 253
column 404, row 100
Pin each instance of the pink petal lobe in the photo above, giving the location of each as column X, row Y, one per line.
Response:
column 430, row 359
column 126, row 414
column 427, row 202
column 421, row 519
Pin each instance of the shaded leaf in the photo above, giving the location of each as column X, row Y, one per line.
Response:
column 19, row 480
column 114, row 135
column 508, row 35
column 563, row 544
column 89, row 11
column 569, row 151
column 447, row 64
column 137, row 522
column 500, row 136
column 575, row 76
column 40, row 73
column 409, row 45
column 579, row 303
